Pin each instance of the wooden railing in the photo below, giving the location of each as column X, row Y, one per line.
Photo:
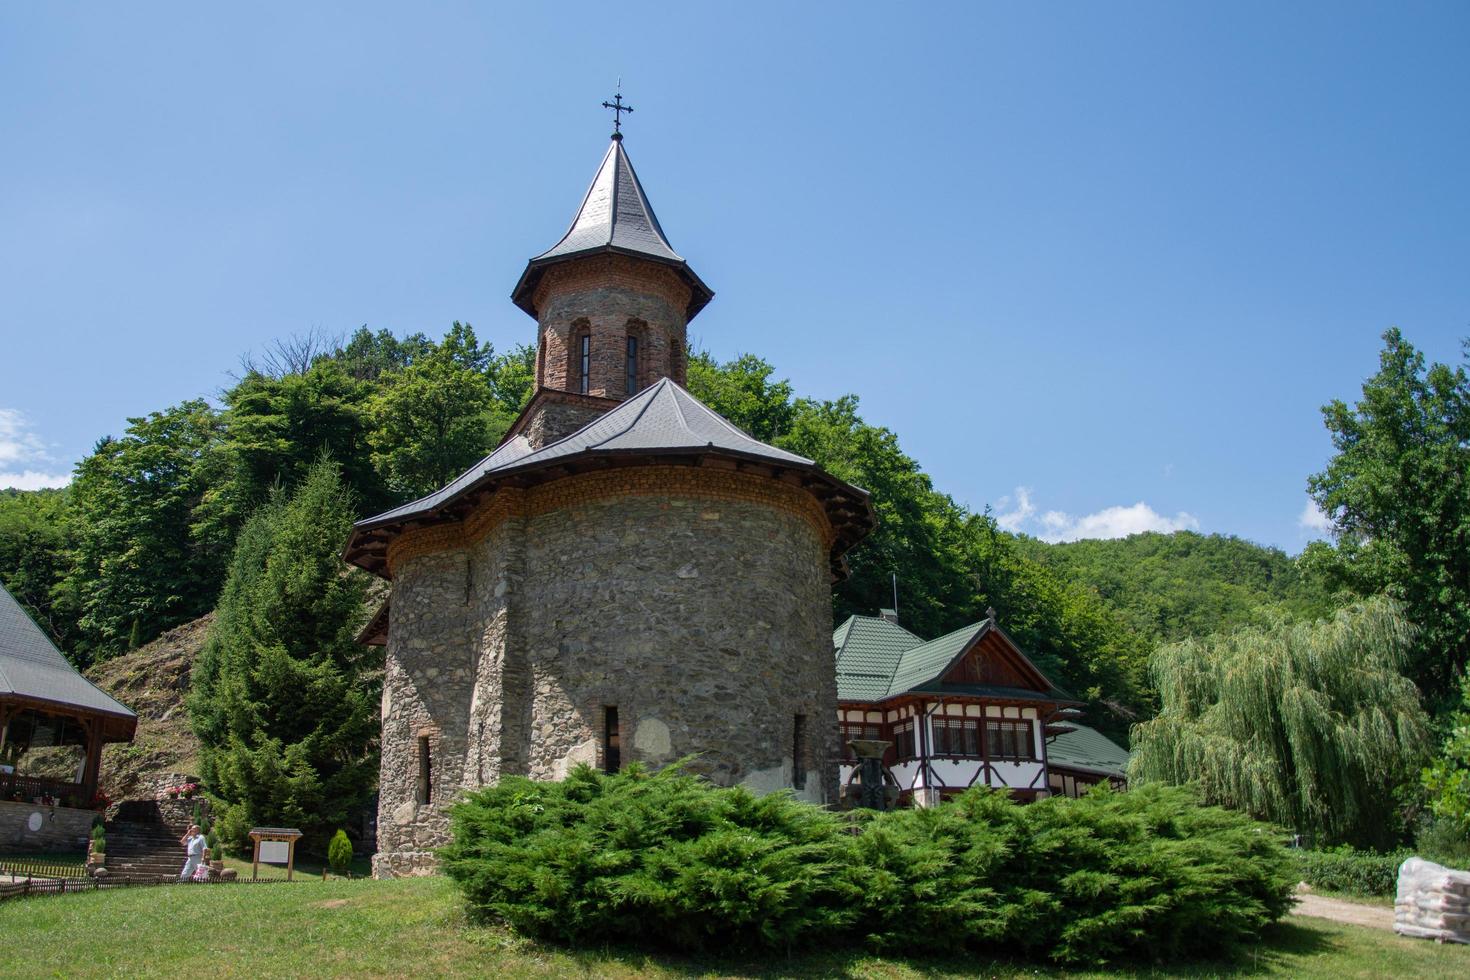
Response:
column 30, row 787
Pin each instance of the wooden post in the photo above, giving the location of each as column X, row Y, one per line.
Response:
column 94, row 760
column 255, row 871
column 290, row 858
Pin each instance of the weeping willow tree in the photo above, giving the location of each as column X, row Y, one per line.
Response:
column 1308, row 725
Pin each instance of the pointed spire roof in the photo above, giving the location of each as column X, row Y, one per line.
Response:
column 614, row 216
column 663, row 423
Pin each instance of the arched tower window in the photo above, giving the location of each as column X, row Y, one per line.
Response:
column 636, row 353
column 576, row 354
column 584, row 362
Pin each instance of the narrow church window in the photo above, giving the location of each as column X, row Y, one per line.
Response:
column 585, row 357
column 632, row 364
column 798, row 753
column 425, row 772
column 612, row 743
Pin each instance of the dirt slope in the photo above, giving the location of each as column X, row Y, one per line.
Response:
column 153, row 680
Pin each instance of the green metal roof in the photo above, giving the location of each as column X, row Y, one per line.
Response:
column 868, row 651
column 878, row 659
column 1089, row 749
column 926, row 663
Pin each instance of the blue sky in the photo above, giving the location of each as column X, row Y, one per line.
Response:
column 1097, row 264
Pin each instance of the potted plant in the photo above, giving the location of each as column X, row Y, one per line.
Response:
column 216, row 854
column 97, row 847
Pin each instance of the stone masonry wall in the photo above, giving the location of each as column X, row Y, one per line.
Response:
column 704, row 618
column 427, row 686
column 555, row 420
column 28, row 828
column 707, row 624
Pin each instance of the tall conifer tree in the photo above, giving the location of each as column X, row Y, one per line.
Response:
column 285, row 701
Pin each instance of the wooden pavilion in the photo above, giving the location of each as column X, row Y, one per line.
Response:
column 46, row 703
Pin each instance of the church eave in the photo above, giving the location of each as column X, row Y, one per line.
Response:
column 848, row 509
column 699, row 293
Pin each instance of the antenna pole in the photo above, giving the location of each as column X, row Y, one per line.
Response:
column 895, row 593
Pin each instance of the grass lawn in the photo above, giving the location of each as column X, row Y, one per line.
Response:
column 400, row 928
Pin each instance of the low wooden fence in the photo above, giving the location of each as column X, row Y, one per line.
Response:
column 64, row 886
column 40, row 869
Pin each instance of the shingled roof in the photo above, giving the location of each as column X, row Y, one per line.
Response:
column 32, row 670
column 868, row 651
column 615, row 216
column 1089, row 750
column 663, row 424
column 878, row 659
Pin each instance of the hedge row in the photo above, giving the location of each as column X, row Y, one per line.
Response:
column 1347, row 870
column 669, row 860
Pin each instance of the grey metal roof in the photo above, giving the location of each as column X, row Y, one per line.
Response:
column 615, row 212
column 1087, row 749
column 31, row 667
column 614, row 216
column 661, row 418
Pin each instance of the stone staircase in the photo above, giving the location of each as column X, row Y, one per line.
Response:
column 141, row 845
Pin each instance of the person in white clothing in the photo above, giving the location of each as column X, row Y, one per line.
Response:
column 193, row 843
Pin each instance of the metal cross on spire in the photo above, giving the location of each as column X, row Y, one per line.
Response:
column 616, row 105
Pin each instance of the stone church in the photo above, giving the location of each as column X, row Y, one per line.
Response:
column 627, row 577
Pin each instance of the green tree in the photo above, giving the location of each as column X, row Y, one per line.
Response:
column 284, row 700
column 367, row 356
column 1398, row 491
column 436, row 417
column 277, row 426
column 513, row 378
column 743, row 392
column 1172, row 586
column 142, row 553
column 1447, row 780
column 1309, row 725
column 339, row 852
column 36, row 538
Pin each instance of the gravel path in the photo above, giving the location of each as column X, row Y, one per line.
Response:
column 1372, row 916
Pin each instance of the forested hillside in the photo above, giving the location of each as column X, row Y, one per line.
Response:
column 1173, row 586
column 150, row 531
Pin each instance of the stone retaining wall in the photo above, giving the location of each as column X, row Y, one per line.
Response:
column 27, row 828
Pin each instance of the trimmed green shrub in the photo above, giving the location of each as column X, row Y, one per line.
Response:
column 1343, row 869
column 661, row 859
column 1145, row 874
column 339, row 852
column 669, row 860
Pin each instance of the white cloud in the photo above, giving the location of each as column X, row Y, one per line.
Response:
column 1313, row 521
column 24, row 462
column 1110, row 522
column 1013, row 520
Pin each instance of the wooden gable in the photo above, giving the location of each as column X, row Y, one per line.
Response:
column 995, row 661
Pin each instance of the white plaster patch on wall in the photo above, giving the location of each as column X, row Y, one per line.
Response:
column 776, row 778
column 580, row 753
column 651, row 740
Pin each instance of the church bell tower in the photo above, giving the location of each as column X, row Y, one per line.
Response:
column 612, row 299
